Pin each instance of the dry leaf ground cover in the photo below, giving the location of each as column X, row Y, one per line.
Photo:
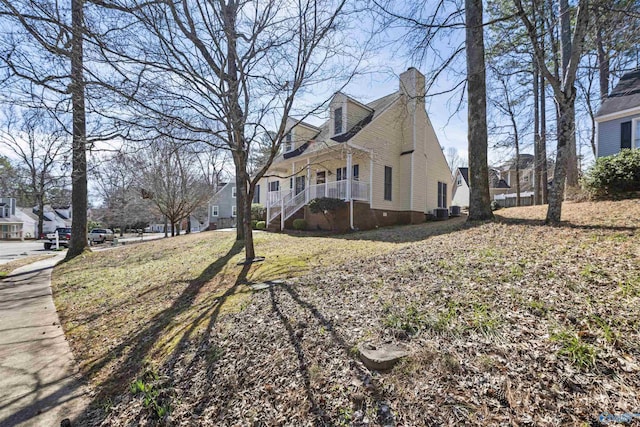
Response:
column 508, row 323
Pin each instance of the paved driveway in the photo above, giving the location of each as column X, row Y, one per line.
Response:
column 10, row 251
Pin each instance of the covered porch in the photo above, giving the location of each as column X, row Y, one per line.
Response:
column 338, row 175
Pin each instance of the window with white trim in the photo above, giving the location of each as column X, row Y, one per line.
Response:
column 288, row 142
column 274, row 186
column 442, row 195
column 459, row 180
column 337, row 121
column 214, row 210
column 636, row 136
column 387, row 182
column 233, row 192
column 234, row 210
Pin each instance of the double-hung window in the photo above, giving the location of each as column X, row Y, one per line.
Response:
column 442, row 195
column 337, row 121
column 288, row 142
column 387, row 182
column 214, row 210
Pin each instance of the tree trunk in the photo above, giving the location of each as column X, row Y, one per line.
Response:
column 537, row 195
column 479, row 200
column 237, row 159
column 188, row 228
column 565, row 42
column 79, row 157
column 250, row 252
column 603, row 64
column 166, row 227
column 566, row 123
column 173, row 229
column 544, row 176
column 518, row 200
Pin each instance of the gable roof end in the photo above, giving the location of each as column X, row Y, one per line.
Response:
column 625, row 96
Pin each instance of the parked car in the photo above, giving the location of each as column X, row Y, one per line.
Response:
column 101, row 235
column 64, row 236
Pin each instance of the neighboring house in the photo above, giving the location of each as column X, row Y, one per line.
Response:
column 222, row 206
column 618, row 119
column 11, row 227
column 497, row 186
column 461, row 188
column 29, row 222
column 55, row 217
column 383, row 158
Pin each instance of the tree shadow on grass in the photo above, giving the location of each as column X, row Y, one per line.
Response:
column 137, row 347
column 566, row 224
column 400, row 233
column 363, row 374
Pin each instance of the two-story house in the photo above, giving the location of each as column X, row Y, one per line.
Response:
column 382, row 158
column 618, row 119
column 222, row 206
column 11, row 226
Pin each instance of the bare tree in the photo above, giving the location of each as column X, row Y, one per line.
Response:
column 117, row 177
column 454, row 159
column 563, row 86
column 40, row 148
column 228, row 71
column 479, row 200
column 45, row 51
column 172, row 181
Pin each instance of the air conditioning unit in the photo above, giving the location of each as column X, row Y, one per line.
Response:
column 454, row 211
column 441, row 214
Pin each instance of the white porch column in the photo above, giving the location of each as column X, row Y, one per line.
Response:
column 307, row 188
column 349, row 173
column 268, row 200
column 349, row 178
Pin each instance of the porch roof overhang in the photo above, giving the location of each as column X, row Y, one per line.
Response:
column 329, row 152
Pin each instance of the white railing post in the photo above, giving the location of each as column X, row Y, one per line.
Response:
column 306, row 189
column 268, row 202
column 281, row 213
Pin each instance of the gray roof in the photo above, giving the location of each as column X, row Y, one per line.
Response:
column 624, row 96
column 465, row 174
column 525, row 160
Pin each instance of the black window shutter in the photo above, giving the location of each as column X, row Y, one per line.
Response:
column 625, row 135
column 356, row 172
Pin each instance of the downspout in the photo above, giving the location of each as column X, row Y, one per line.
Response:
column 349, row 198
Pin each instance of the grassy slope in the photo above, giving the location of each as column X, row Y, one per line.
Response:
column 110, row 300
column 504, row 320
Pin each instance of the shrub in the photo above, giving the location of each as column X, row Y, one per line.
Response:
column 495, row 206
column 613, row 176
column 299, row 224
column 254, row 223
column 258, row 212
column 261, row 225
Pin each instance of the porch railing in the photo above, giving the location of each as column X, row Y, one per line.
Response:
column 290, row 202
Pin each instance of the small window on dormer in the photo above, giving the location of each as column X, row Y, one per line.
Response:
column 337, row 120
column 288, row 142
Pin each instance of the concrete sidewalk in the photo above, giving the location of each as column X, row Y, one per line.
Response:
column 39, row 383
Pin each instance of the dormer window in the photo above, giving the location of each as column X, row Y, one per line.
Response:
column 337, row 121
column 288, row 142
